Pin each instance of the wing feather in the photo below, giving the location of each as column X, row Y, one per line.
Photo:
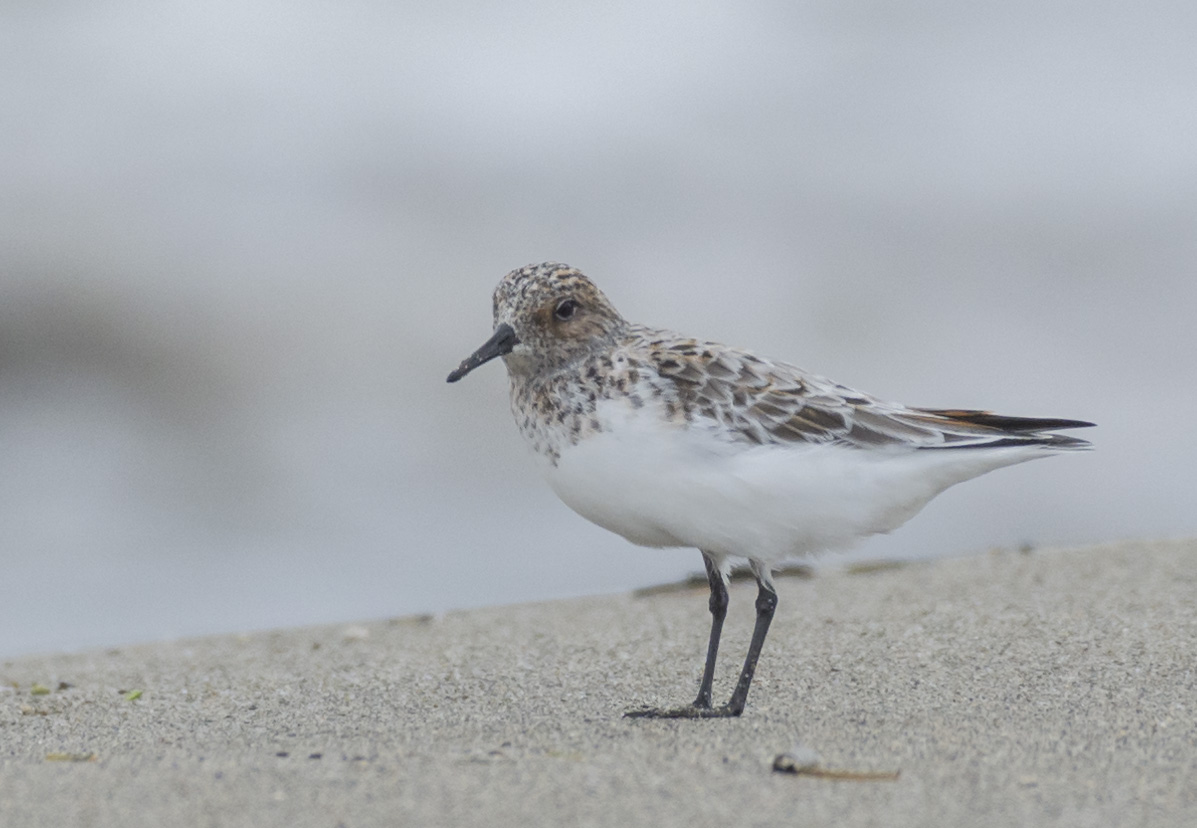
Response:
column 770, row 402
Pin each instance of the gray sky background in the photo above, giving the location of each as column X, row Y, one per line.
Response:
column 241, row 244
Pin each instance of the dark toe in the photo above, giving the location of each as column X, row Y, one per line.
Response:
column 687, row 712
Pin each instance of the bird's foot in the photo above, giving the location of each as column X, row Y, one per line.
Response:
column 690, row 711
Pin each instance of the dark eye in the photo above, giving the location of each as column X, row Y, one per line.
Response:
column 565, row 309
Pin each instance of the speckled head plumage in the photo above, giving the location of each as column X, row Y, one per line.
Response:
column 558, row 315
column 546, row 317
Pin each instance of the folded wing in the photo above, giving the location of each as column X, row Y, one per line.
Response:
column 767, row 402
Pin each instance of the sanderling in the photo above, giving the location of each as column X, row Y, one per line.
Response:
column 673, row 441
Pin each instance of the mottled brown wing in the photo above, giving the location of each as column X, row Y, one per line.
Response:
column 768, row 402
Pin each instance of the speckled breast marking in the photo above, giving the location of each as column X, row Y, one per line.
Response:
column 558, row 411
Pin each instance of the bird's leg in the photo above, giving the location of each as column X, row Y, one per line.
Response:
column 718, row 605
column 701, row 707
column 766, row 603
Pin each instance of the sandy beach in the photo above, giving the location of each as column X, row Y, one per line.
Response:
column 1054, row 686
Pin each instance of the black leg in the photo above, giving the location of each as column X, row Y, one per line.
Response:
column 718, row 605
column 766, row 603
column 701, row 708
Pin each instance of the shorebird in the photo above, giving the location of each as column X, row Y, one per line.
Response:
column 673, row 441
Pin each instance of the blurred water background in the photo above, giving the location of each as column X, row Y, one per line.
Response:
column 242, row 243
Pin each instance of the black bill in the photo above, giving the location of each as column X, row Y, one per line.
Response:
column 501, row 342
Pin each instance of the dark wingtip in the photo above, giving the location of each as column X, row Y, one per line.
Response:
column 1000, row 422
column 1052, row 425
column 1010, row 431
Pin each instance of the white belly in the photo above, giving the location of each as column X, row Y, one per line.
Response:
column 658, row 484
